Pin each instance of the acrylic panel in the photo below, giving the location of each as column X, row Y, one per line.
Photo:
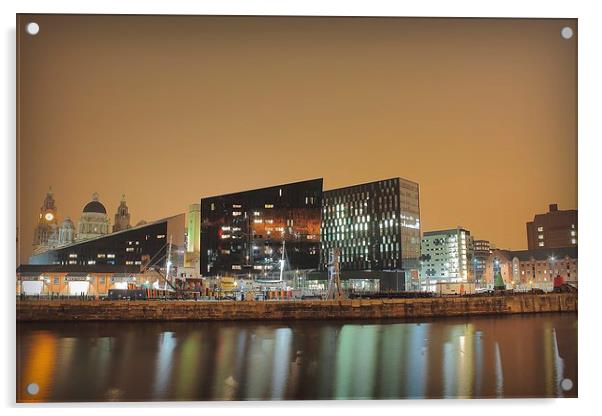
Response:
column 295, row 208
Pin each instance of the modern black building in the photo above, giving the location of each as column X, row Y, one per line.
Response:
column 138, row 246
column 245, row 232
column 376, row 226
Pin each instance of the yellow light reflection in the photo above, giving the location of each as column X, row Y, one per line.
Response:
column 39, row 368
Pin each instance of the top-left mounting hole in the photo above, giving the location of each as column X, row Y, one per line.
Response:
column 32, row 28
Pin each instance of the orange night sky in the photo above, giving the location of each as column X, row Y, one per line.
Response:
column 482, row 113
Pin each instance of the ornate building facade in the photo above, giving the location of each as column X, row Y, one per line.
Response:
column 66, row 232
column 94, row 221
column 46, row 230
column 122, row 217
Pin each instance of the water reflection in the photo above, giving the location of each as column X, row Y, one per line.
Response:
column 518, row 356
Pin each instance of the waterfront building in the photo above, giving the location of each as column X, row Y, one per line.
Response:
column 533, row 268
column 249, row 233
column 193, row 237
column 45, row 232
column 94, row 221
column 446, row 257
column 376, row 227
column 140, row 246
column 481, row 251
column 554, row 229
column 77, row 279
column 122, row 217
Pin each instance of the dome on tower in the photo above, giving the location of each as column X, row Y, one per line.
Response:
column 95, row 205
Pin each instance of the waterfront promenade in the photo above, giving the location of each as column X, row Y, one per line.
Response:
column 159, row 310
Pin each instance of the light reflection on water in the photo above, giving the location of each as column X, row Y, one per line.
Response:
column 513, row 356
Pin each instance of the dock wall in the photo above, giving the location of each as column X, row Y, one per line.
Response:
column 75, row 310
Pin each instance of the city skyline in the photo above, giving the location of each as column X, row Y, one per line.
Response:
column 221, row 106
column 144, row 221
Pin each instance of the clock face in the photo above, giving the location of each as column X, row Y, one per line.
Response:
column 49, row 216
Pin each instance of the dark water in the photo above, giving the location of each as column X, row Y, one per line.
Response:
column 514, row 356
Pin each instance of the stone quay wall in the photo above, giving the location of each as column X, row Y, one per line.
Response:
column 157, row 310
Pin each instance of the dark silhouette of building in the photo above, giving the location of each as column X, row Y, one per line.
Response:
column 554, row 229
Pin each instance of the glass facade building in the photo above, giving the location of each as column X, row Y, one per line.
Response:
column 376, row 226
column 244, row 232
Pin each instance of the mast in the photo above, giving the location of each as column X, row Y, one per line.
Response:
column 168, row 263
column 282, row 258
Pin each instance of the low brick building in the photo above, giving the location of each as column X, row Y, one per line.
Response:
column 527, row 267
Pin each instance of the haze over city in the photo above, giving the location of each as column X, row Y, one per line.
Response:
column 480, row 112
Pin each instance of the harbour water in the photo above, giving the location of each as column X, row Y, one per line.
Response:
column 480, row 357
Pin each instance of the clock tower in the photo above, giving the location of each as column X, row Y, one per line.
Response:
column 47, row 223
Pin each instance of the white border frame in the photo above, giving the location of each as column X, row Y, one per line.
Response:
column 590, row 68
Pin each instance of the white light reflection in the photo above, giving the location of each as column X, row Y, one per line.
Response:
column 499, row 373
column 449, row 370
column 282, row 352
column 167, row 343
column 478, row 345
column 417, row 363
column 558, row 366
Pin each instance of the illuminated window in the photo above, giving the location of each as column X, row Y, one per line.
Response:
column 161, row 236
column 91, row 261
column 540, row 236
column 269, row 205
column 540, row 229
column 101, row 256
column 541, row 244
column 72, row 262
column 72, row 256
column 129, row 249
column 573, row 241
column 110, row 256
